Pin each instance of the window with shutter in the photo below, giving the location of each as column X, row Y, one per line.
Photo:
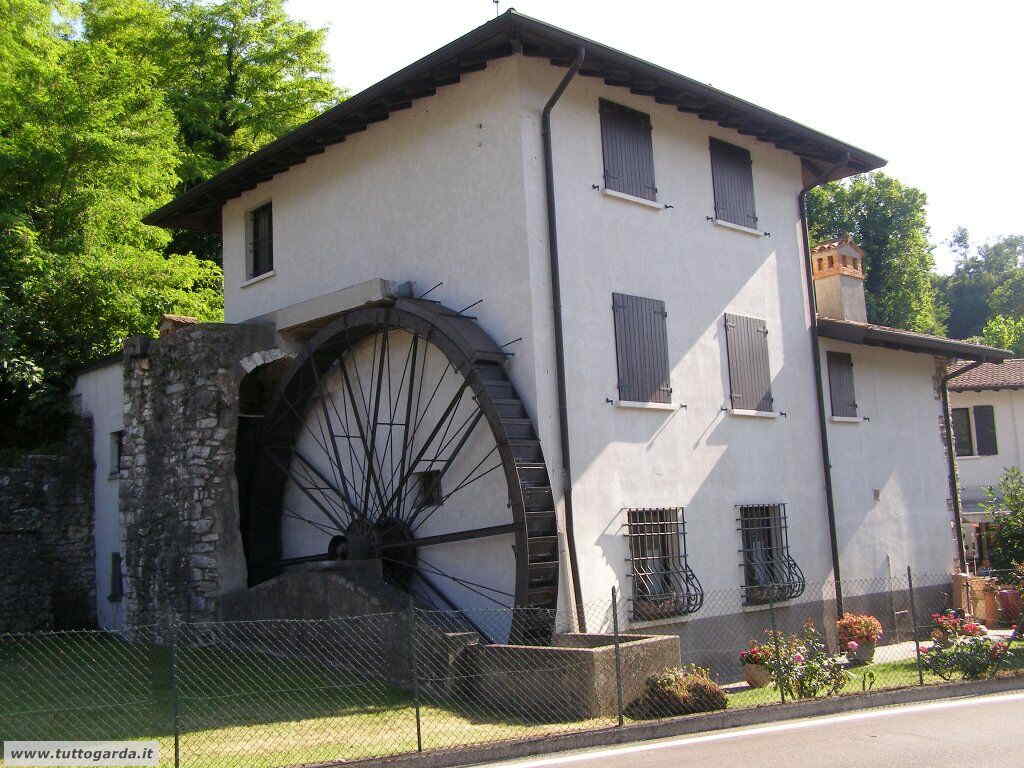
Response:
column 840, row 382
column 733, row 180
column 963, row 441
column 628, row 151
column 750, row 376
column 985, row 430
column 641, row 349
column 261, row 241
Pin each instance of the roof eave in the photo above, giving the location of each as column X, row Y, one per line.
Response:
column 875, row 336
column 199, row 208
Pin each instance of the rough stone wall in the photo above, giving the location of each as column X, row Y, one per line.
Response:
column 47, row 550
column 178, row 495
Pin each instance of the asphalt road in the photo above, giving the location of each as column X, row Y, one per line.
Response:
column 980, row 732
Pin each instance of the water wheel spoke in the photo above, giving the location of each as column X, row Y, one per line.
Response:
column 447, row 538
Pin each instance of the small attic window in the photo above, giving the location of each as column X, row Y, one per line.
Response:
column 259, row 241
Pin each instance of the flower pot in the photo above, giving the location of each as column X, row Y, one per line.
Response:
column 864, row 654
column 1009, row 605
column 757, row 675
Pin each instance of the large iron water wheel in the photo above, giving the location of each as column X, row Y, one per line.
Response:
column 398, row 435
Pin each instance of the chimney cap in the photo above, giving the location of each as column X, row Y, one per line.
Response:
column 838, row 257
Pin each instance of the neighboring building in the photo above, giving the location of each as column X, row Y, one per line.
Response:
column 987, row 410
column 683, row 454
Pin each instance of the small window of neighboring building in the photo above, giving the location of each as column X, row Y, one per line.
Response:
column 429, row 492
column 733, row 179
column 116, row 578
column 116, row 451
column 840, row 383
column 641, row 349
column 663, row 584
column 974, row 431
column 770, row 574
column 628, row 150
column 260, row 241
column 750, row 375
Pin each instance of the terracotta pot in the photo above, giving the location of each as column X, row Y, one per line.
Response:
column 1009, row 605
column 864, row 654
column 757, row 675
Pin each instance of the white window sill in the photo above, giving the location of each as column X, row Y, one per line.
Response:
column 974, row 456
column 667, row 621
column 846, row 419
column 633, row 199
column 739, row 227
column 645, row 406
column 755, row 414
column 257, row 279
column 766, row 606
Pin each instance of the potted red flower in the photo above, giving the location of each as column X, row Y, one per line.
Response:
column 858, row 635
column 755, row 661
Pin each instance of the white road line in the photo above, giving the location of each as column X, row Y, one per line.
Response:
column 777, row 728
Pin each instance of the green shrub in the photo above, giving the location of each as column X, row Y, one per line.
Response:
column 802, row 666
column 967, row 657
column 678, row 691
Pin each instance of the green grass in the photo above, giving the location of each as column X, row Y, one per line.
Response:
column 235, row 708
column 252, row 710
column 891, row 674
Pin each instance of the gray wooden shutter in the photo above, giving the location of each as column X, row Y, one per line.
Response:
column 641, row 349
column 628, row 151
column 985, row 428
column 962, row 441
column 840, row 383
column 733, row 179
column 750, row 375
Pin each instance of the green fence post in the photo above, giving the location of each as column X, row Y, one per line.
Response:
column 775, row 642
column 173, row 633
column 913, row 625
column 618, row 655
column 415, row 672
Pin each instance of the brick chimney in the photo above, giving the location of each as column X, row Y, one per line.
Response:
column 838, row 269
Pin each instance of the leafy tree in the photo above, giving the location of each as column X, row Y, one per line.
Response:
column 975, row 289
column 1006, row 332
column 888, row 220
column 237, row 74
column 87, row 146
column 1006, row 504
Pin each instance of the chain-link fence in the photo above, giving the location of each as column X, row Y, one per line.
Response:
column 286, row 692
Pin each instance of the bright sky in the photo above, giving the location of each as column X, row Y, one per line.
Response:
column 933, row 86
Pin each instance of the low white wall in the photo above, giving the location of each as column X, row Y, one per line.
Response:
column 102, row 397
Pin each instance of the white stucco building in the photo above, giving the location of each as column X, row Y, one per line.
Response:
column 673, row 375
column 987, row 410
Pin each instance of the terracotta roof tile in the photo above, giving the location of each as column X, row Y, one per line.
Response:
column 1008, row 374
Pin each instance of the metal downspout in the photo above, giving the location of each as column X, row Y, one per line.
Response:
column 556, row 308
column 954, row 479
column 826, row 459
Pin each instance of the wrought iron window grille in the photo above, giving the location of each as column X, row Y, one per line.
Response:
column 663, row 583
column 770, row 573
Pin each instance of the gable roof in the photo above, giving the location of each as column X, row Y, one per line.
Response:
column 199, row 207
column 1007, row 375
column 908, row 341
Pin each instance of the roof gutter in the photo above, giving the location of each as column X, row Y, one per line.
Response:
column 954, row 480
column 826, row 460
column 556, row 308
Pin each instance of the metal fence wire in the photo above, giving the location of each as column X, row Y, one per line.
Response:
column 288, row 692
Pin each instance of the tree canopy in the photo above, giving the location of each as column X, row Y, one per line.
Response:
column 236, row 74
column 888, row 220
column 107, row 109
